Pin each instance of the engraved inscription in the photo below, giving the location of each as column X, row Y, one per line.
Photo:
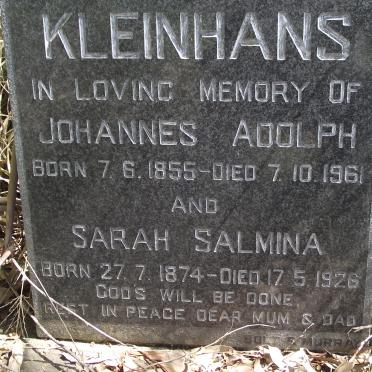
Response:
column 195, row 169
column 301, row 40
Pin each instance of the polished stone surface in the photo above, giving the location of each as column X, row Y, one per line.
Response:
column 176, row 188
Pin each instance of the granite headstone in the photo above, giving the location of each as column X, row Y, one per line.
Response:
column 189, row 167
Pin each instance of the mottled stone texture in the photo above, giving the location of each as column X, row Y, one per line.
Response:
column 190, row 188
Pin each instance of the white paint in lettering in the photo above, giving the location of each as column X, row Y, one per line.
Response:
column 273, row 243
column 165, row 92
column 145, row 312
column 65, row 270
column 79, row 96
column 242, row 277
column 286, row 135
column 51, row 168
column 268, row 245
column 166, row 133
column 307, row 319
column 280, row 136
column 105, row 132
column 345, row 320
column 138, row 132
column 339, row 39
column 119, row 238
column 250, row 20
column 145, row 91
column 50, row 35
column 117, row 35
column 218, row 34
column 119, row 92
column 83, row 41
column 303, row 45
column 101, row 90
column 285, row 26
column 234, row 172
column 352, row 87
column 300, row 141
column 107, row 90
column 61, row 124
column 179, row 295
column 210, row 93
column 114, row 292
column 224, row 87
column 214, row 315
column 243, row 95
column 271, row 318
column 51, row 308
column 249, row 91
column 195, row 206
column 332, row 91
column 280, row 88
column 41, row 90
column 265, row 134
column 223, row 297
column 78, row 231
column 269, row 299
column 332, row 130
column 264, row 97
column 182, row 46
column 300, row 90
column 243, row 133
column 339, row 86
column 147, row 36
column 109, row 311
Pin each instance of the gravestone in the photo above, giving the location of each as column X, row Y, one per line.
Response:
column 189, row 168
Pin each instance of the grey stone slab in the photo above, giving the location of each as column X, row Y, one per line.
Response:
column 176, row 188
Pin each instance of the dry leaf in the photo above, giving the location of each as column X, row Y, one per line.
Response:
column 129, row 363
column 204, row 360
column 70, row 358
column 330, row 366
column 218, row 349
column 241, row 368
column 112, row 363
column 315, row 354
column 345, row 367
column 299, row 358
column 257, row 366
column 101, row 368
column 99, row 360
column 339, row 358
column 173, row 361
column 364, row 357
column 277, row 357
column 238, row 359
